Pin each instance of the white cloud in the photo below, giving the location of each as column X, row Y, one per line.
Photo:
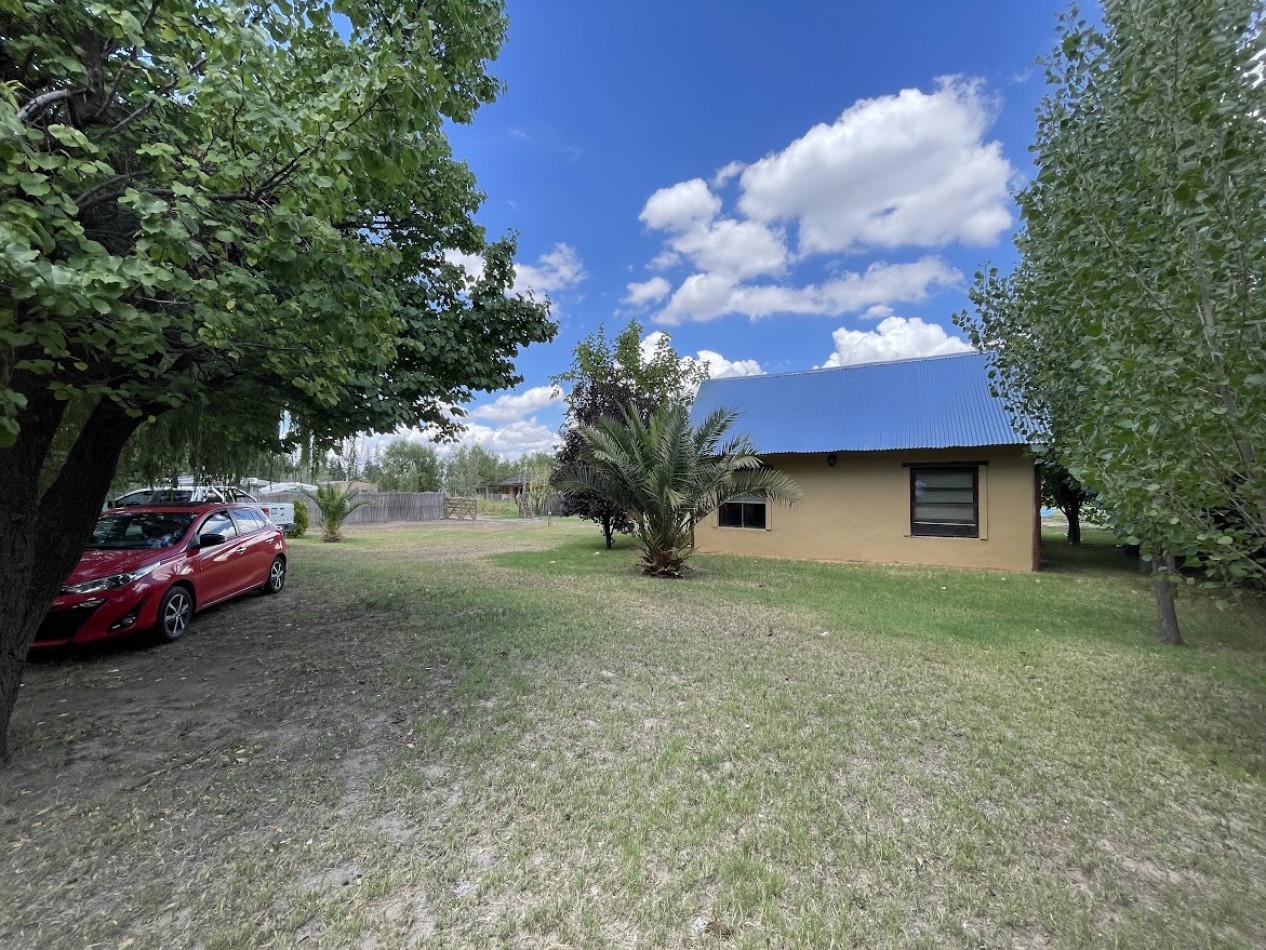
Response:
column 558, row 269
column 718, row 365
column 736, row 248
column 666, row 259
column 914, row 169
column 725, row 173
column 909, row 169
column 681, row 206
column 648, row 291
column 509, row 441
column 895, row 338
column 514, row 407
column 710, row 296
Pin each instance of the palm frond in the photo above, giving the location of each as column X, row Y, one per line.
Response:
column 669, row 475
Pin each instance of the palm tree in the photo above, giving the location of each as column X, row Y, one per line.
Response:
column 669, row 476
column 335, row 504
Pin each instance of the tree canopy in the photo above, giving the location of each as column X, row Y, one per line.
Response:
column 1131, row 336
column 605, row 378
column 246, row 210
column 408, row 466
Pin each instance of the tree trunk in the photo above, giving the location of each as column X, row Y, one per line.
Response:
column 42, row 534
column 608, row 530
column 1165, row 608
column 1073, row 514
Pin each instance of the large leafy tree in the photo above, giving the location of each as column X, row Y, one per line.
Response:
column 1132, row 332
column 607, row 376
column 471, row 469
column 406, row 465
column 245, row 207
column 669, row 476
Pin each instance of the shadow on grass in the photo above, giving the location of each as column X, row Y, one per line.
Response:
column 1100, row 552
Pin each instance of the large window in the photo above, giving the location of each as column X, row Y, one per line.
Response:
column 944, row 502
column 746, row 511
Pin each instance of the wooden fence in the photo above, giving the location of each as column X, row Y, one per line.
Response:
column 382, row 506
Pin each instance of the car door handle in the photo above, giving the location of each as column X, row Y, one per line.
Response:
column 239, row 549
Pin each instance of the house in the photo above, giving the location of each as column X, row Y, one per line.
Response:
column 909, row 462
column 508, row 488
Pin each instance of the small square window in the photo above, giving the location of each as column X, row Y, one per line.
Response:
column 944, row 502
column 747, row 511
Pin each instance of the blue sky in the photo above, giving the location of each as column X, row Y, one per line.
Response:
column 776, row 187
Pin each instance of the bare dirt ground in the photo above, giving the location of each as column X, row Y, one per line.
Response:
column 196, row 741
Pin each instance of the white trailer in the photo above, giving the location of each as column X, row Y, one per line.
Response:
column 280, row 513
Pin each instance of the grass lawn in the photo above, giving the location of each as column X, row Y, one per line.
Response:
column 501, row 735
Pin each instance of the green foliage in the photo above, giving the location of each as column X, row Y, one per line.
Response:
column 236, row 207
column 335, row 503
column 471, row 469
column 246, row 211
column 1062, row 491
column 605, row 377
column 669, row 476
column 302, row 519
column 408, row 466
column 1132, row 334
column 538, row 490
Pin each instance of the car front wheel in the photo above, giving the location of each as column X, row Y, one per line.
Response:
column 276, row 577
column 174, row 614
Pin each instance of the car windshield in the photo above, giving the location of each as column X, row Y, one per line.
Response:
column 142, row 529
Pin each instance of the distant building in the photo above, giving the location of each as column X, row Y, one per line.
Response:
column 909, row 462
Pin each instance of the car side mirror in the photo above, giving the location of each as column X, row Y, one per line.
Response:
column 210, row 540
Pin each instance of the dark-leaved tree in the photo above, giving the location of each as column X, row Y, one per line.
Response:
column 605, row 379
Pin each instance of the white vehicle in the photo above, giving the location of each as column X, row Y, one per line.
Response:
column 280, row 513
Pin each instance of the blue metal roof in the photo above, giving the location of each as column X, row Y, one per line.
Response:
column 937, row 402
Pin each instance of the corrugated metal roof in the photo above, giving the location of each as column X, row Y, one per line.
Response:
column 932, row 403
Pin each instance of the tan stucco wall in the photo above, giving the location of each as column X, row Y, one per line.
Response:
column 859, row 510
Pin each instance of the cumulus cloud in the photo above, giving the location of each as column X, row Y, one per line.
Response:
column 735, row 248
column 713, row 295
column 509, row 441
column 648, row 291
column 718, row 365
column 512, row 407
column 681, row 206
column 907, row 169
column 558, row 269
column 726, row 173
column 895, row 338
column 910, row 170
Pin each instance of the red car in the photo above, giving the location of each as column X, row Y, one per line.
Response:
column 152, row 567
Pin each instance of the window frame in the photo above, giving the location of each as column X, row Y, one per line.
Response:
column 202, row 529
column 744, row 502
column 973, row 531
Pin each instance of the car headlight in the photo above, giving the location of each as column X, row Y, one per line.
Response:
column 113, row 582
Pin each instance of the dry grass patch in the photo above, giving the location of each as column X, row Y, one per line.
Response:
column 503, row 736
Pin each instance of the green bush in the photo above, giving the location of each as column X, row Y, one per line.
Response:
column 301, row 518
column 335, row 504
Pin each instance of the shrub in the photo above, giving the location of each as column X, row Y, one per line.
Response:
column 335, row 504
column 302, row 518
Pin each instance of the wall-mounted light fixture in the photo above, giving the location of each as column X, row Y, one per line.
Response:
column 831, row 460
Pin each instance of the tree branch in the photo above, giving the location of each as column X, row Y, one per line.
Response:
column 36, row 105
